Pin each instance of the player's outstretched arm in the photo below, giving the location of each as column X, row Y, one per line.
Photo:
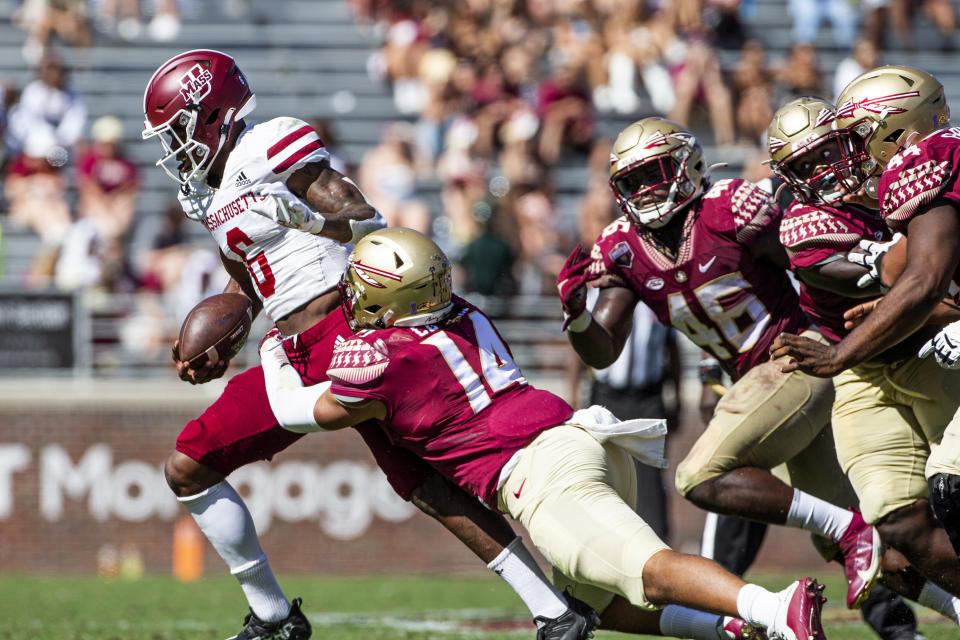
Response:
column 932, row 255
column 306, row 409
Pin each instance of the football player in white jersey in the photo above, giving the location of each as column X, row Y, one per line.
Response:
column 281, row 215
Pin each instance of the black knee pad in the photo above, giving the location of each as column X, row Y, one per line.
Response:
column 945, row 499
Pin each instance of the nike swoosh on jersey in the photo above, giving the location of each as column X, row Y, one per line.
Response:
column 706, row 265
column 516, row 494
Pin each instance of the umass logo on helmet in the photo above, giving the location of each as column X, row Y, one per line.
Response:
column 195, row 84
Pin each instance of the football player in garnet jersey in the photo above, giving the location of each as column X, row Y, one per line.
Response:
column 280, row 215
column 436, row 374
column 897, row 121
column 883, row 404
column 706, row 259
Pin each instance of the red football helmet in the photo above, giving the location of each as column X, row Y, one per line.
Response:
column 189, row 104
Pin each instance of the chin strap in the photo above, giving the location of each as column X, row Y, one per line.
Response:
column 224, row 133
column 776, row 194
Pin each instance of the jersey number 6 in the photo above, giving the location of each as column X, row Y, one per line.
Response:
column 237, row 240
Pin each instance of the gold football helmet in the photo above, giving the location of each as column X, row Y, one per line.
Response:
column 882, row 107
column 395, row 277
column 809, row 153
column 656, row 168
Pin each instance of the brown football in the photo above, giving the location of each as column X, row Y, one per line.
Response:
column 215, row 329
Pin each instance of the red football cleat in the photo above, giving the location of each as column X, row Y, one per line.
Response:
column 860, row 546
column 798, row 617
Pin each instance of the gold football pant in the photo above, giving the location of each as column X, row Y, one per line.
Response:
column 574, row 496
column 889, row 423
column 770, row 419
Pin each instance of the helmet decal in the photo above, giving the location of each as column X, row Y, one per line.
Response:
column 656, row 139
column 364, row 273
column 195, row 84
column 775, row 144
column 873, row 105
column 826, row 115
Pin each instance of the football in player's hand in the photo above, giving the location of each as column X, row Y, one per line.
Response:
column 215, row 329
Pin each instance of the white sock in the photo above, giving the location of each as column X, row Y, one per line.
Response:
column 681, row 622
column 521, row 572
column 264, row 595
column 818, row 516
column 224, row 519
column 757, row 606
column 935, row 598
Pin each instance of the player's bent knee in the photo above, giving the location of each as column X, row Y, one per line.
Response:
column 874, row 505
column 908, row 529
column 691, row 474
column 186, row 477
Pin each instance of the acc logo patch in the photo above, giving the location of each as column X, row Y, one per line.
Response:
column 655, row 284
column 621, row 255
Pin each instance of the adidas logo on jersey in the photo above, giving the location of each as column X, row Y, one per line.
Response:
column 242, row 180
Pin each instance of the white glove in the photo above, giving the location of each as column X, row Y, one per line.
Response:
column 871, row 259
column 945, row 346
column 283, row 207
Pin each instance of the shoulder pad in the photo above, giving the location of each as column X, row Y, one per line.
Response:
column 289, row 141
column 611, row 250
column 804, row 227
column 620, row 225
column 752, row 208
column 916, row 185
column 356, row 361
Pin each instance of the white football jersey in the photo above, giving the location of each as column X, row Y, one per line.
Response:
column 287, row 267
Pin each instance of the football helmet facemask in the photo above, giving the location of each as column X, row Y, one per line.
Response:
column 190, row 104
column 656, row 168
column 812, row 157
column 396, row 277
column 882, row 107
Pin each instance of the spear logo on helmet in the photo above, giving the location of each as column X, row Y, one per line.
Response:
column 874, row 105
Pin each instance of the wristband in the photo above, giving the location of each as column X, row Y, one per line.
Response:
column 581, row 322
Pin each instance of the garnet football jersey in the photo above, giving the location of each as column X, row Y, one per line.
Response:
column 453, row 393
column 288, row 267
column 814, row 233
column 716, row 292
column 917, row 176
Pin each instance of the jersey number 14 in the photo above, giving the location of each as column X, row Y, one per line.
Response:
column 498, row 370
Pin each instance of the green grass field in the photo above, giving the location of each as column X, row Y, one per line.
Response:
column 340, row 608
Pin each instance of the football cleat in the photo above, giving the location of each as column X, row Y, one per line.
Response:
column 737, row 629
column 861, row 549
column 294, row 627
column 576, row 623
column 798, row 616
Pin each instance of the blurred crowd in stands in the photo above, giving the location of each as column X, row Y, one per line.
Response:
column 503, row 94
column 495, row 100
